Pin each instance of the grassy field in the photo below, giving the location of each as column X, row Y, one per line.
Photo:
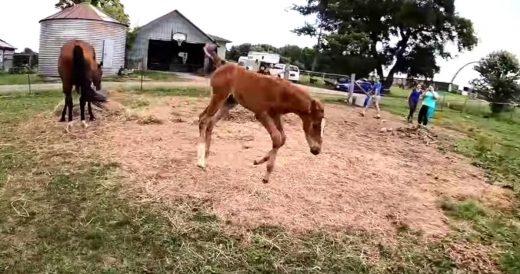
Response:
column 147, row 75
column 62, row 211
column 492, row 142
column 19, row 79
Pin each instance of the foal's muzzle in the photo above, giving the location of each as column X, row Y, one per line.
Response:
column 315, row 150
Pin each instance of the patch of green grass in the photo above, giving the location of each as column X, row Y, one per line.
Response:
column 188, row 91
column 147, row 75
column 19, row 79
column 466, row 210
column 490, row 228
column 492, row 142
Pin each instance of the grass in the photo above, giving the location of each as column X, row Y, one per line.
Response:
column 19, row 79
column 501, row 160
column 490, row 228
column 63, row 211
column 148, row 75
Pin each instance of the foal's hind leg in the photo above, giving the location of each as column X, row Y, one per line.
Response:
column 274, row 127
column 216, row 102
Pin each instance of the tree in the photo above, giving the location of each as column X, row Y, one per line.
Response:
column 113, row 8
column 498, row 82
column 403, row 35
column 236, row 51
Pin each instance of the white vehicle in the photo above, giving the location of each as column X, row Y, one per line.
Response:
column 278, row 70
column 244, row 61
column 265, row 57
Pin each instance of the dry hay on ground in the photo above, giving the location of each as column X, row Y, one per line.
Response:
column 363, row 178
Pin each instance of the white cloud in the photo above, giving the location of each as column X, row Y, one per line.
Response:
column 270, row 21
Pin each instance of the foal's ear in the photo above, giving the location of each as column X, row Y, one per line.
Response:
column 315, row 106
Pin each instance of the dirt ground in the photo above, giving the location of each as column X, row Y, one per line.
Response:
column 364, row 178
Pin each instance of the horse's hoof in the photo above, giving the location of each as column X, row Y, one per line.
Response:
column 62, row 120
column 255, row 162
column 201, row 166
column 265, row 181
column 91, row 119
column 85, row 125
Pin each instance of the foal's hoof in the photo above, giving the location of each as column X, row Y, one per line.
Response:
column 85, row 125
column 255, row 162
column 62, row 120
column 265, row 181
column 91, row 119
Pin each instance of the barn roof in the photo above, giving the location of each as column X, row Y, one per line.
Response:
column 5, row 45
column 212, row 38
column 218, row 38
column 82, row 11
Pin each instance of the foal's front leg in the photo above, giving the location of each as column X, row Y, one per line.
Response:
column 205, row 120
column 274, row 128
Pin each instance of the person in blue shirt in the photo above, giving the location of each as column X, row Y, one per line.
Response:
column 375, row 97
column 430, row 98
column 413, row 100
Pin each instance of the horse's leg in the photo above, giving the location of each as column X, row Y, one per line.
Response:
column 82, row 102
column 222, row 112
column 278, row 122
column 216, row 102
column 90, row 113
column 70, row 105
column 272, row 124
column 67, row 91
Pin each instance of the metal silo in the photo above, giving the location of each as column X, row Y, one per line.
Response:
column 88, row 23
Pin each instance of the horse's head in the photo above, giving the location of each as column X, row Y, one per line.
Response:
column 217, row 62
column 313, row 126
column 97, row 76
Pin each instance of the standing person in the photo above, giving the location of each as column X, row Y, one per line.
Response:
column 428, row 106
column 413, row 100
column 210, row 50
column 375, row 97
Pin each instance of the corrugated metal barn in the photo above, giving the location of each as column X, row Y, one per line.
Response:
column 84, row 22
column 6, row 55
column 156, row 48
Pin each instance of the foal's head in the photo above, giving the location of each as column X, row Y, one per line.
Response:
column 313, row 125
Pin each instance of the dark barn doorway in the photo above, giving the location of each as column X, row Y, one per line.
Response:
column 164, row 56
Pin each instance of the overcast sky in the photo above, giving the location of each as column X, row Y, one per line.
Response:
column 270, row 21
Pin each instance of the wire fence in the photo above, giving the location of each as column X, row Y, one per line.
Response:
column 25, row 79
column 471, row 105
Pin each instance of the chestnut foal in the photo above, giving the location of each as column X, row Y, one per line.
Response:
column 268, row 98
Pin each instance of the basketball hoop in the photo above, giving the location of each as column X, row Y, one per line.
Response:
column 179, row 37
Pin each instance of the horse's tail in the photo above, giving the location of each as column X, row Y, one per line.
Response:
column 78, row 67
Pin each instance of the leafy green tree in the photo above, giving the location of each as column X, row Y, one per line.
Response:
column 499, row 79
column 403, row 35
column 113, row 8
column 236, row 51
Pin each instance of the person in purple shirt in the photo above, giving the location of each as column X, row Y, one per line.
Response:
column 413, row 100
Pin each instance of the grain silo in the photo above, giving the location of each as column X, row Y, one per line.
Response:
column 88, row 23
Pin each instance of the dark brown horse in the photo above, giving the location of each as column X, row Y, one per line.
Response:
column 78, row 68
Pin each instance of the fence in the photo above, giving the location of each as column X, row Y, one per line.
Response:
column 474, row 106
